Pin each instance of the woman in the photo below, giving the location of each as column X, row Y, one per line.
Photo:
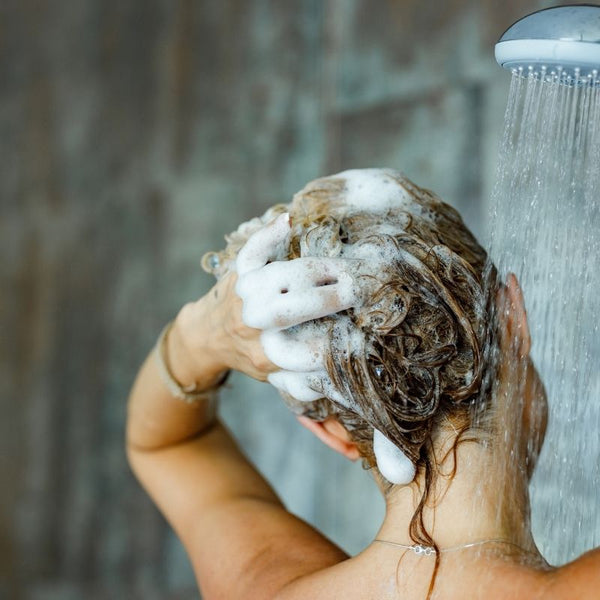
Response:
column 371, row 307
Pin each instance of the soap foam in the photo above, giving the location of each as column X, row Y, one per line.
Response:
column 283, row 294
column 303, row 348
column 392, row 463
column 269, row 243
column 377, row 191
column 300, row 348
column 308, row 387
column 285, row 298
column 374, row 190
column 297, row 385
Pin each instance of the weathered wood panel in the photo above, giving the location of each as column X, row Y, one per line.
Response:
column 133, row 135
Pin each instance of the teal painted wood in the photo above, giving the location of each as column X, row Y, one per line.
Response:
column 134, row 135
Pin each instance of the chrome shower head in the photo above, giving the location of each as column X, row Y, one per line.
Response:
column 562, row 42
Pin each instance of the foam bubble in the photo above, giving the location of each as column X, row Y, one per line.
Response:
column 371, row 255
column 374, row 190
column 392, row 463
column 297, row 385
column 308, row 387
column 285, row 298
column 331, row 392
column 300, row 348
column 346, row 338
column 286, row 293
column 268, row 243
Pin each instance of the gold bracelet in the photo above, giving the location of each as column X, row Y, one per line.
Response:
column 189, row 393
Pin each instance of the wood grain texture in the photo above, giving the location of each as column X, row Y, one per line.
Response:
column 133, row 136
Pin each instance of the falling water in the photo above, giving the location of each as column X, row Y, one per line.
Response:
column 546, row 229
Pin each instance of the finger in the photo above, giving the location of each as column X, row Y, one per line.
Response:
column 282, row 277
column 289, row 309
column 297, row 385
column 269, row 243
column 299, row 349
column 308, row 387
column 309, row 272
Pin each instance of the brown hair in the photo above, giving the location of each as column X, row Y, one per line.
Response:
column 426, row 327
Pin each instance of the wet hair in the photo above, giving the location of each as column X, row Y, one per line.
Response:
column 427, row 326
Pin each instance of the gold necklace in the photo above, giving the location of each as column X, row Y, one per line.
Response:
column 430, row 550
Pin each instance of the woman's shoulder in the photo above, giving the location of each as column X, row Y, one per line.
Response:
column 499, row 580
column 360, row 577
column 577, row 580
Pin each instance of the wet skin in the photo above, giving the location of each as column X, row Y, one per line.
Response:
column 241, row 540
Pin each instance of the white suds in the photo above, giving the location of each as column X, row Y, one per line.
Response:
column 307, row 387
column 285, row 293
column 269, row 243
column 374, row 190
column 301, row 348
column 297, row 385
column 286, row 299
column 392, row 463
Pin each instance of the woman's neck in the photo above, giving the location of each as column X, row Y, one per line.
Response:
column 476, row 504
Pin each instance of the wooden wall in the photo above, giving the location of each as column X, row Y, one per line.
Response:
column 133, row 135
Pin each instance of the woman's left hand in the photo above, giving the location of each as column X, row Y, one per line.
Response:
column 213, row 338
column 223, row 329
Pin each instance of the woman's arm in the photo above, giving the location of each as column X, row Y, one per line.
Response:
column 207, row 338
column 240, row 539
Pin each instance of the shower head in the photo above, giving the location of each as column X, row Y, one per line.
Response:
column 562, row 42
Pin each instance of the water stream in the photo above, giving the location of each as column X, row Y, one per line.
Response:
column 545, row 228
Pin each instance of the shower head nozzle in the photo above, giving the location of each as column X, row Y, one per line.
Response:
column 563, row 41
